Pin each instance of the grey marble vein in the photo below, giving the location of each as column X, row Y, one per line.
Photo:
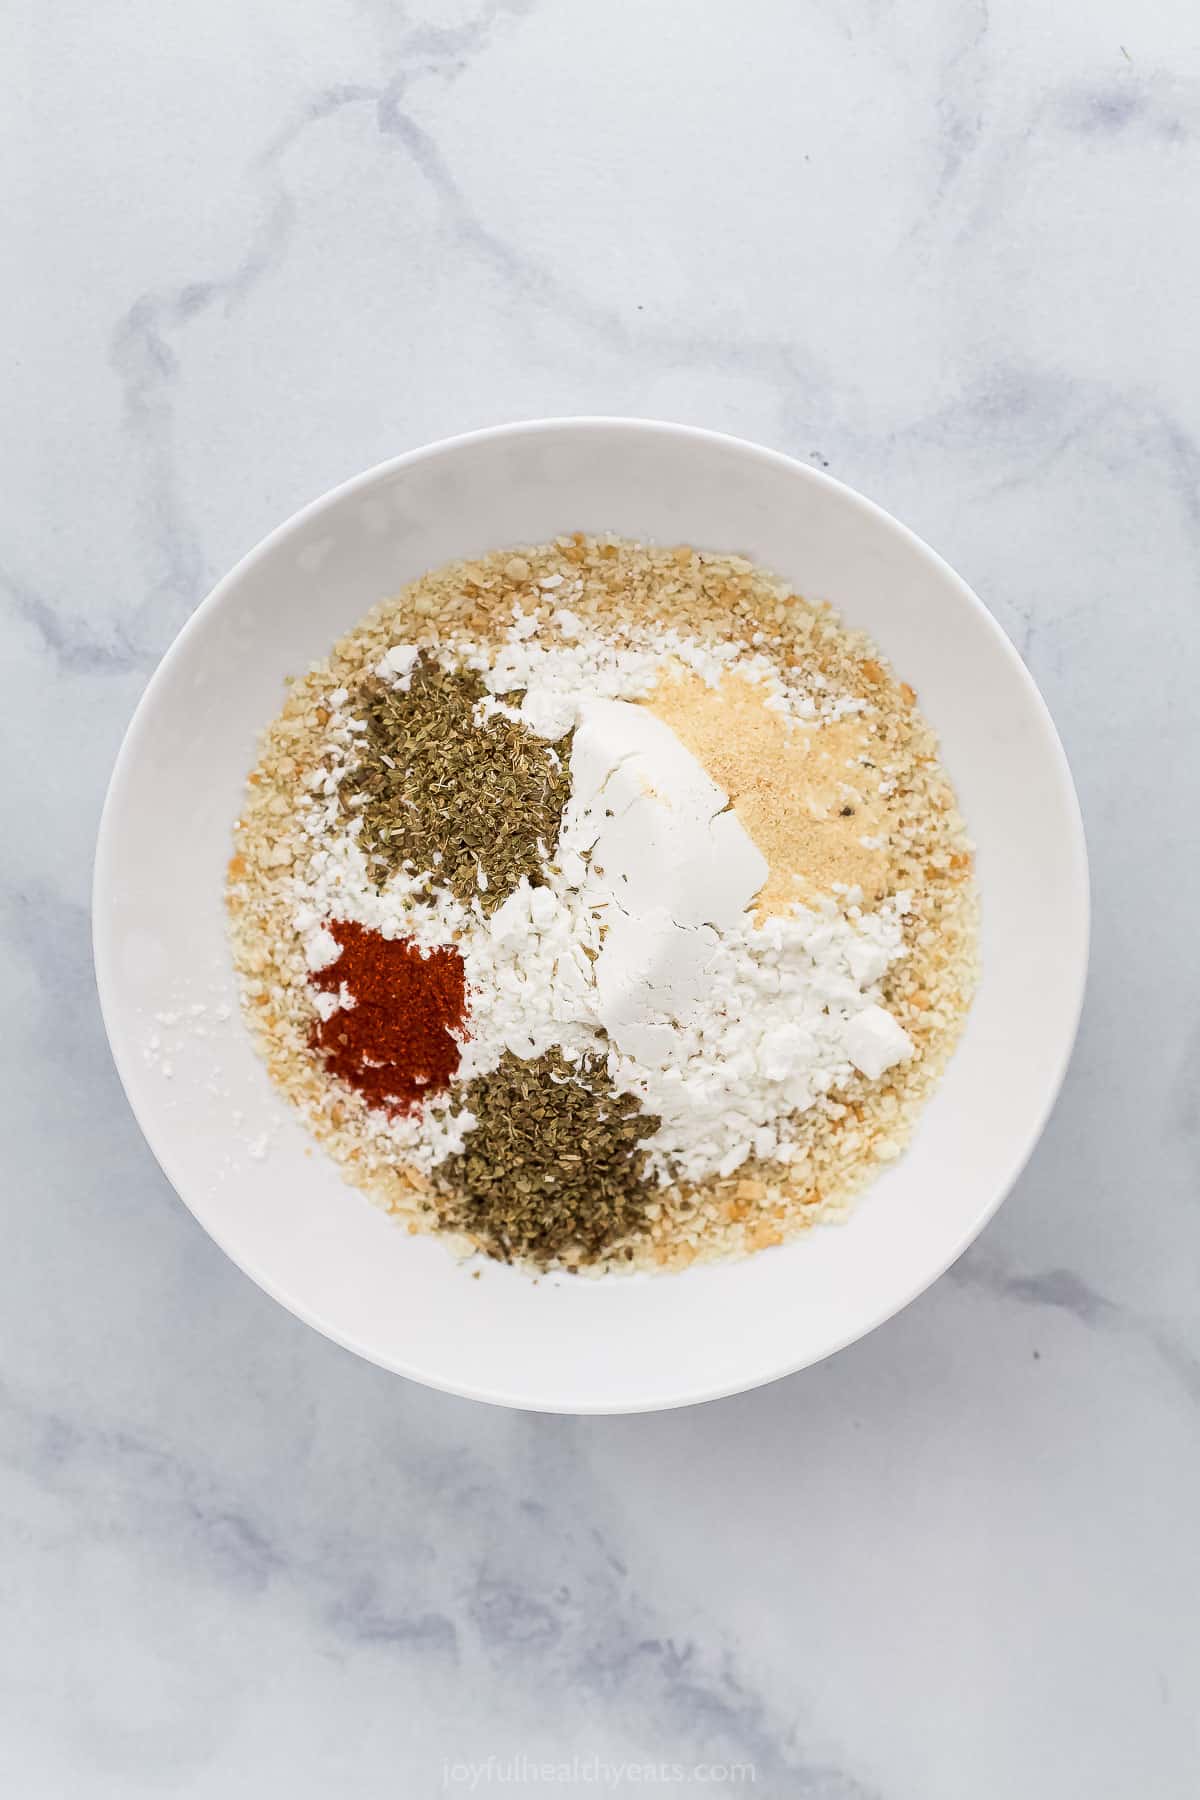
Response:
column 1157, row 109
column 555, row 1607
column 146, row 364
column 76, row 646
column 1065, row 1291
column 945, row 250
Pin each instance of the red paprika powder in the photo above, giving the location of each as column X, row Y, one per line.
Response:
column 397, row 1043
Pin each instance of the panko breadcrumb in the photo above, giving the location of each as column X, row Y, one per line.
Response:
column 846, row 1137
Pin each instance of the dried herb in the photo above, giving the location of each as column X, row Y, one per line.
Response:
column 553, row 1163
column 452, row 798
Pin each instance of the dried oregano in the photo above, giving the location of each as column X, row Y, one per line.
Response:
column 553, row 1164
column 451, row 798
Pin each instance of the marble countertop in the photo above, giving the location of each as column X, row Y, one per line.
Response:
column 946, row 250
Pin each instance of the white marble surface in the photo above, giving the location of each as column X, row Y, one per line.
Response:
column 946, row 249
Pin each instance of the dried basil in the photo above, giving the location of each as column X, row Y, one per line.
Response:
column 441, row 795
column 554, row 1163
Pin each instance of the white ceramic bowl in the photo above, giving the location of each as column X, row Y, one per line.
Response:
column 619, row 1344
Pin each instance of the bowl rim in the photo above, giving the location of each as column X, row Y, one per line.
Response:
column 131, row 745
